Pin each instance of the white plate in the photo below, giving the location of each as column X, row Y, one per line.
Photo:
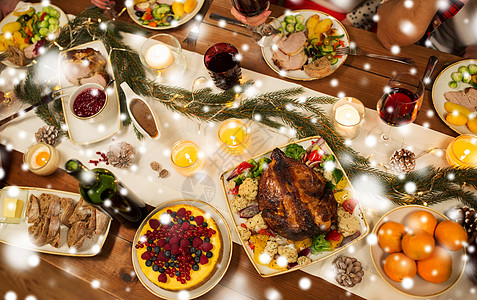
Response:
column 83, row 132
column 184, row 19
column 441, row 85
column 17, row 234
column 38, row 7
column 421, row 288
column 358, row 212
column 267, row 52
column 220, row 268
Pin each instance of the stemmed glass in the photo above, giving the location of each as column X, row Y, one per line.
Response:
column 252, row 8
column 400, row 102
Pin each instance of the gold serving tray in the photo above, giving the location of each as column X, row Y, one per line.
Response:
column 17, row 234
column 264, row 271
column 220, row 268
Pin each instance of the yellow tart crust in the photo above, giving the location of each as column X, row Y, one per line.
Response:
column 197, row 277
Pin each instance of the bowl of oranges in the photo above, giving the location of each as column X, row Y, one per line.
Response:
column 419, row 251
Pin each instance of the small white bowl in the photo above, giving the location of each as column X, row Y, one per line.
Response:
column 97, row 116
column 130, row 96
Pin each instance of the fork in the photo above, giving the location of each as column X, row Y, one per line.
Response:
column 358, row 51
column 191, row 38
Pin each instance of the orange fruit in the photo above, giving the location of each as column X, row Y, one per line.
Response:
column 390, row 235
column 398, row 266
column 418, row 244
column 450, row 235
column 437, row 268
column 422, row 220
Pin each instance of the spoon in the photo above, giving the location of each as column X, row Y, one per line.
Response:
column 99, row 94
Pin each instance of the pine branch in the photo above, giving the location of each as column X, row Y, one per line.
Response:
column 273, row 109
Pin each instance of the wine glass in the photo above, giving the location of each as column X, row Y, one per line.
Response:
column 251, row 8
column 264, row 33
column 400, row 103
column 9, row 104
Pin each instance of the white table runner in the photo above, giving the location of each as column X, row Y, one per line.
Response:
column 206, row 186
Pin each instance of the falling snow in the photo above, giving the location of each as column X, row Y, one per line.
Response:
column 304, row 283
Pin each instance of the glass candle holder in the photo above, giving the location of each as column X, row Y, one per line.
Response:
column 162, row 55
column 41, row 159
column 221, row 60
column 348, row 116
column 234, row 136
column 187, row 157
column 462, row 151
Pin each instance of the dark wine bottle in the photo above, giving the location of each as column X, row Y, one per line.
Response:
column 100, row 188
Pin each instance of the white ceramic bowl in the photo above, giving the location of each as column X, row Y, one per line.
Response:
column 97, row 116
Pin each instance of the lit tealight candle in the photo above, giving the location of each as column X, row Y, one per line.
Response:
column 186, row 157
column 234, row 136
column 159, row 56
column 42, row 159
column 348, row 114
column 462, row 151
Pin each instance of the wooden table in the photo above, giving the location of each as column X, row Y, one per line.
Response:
column 59, row 277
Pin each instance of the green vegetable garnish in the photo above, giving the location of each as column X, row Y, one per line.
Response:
column 457, row 76
column 472, row 69
column 294, row 151
column 290, row 19
column 453, row 84
column 320, row 244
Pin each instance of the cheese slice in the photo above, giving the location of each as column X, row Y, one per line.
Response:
column 12, row 208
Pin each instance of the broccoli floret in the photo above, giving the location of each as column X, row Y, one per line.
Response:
column 294, row 151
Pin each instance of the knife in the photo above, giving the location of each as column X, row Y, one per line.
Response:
column 44, row 101
column 217, row 17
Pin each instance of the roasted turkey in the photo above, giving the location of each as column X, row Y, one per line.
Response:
column 293, row 199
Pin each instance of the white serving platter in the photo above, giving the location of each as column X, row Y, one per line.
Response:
column 83, row 132
column 17, row 234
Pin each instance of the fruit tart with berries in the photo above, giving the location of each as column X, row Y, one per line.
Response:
column 179, row 247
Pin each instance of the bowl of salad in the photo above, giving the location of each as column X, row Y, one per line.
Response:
column 28, row 28
column 163, row 14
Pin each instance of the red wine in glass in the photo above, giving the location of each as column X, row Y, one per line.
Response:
column 220, row 60
column 251, row 8
column 399, row 106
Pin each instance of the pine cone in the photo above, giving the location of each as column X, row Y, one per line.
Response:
column 403, row 161
column 121, row 155
column 466, row 217
column 349, row 271
column 47, row 134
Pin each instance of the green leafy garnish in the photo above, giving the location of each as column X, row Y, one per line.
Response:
column 320, row 244
column 294, row 151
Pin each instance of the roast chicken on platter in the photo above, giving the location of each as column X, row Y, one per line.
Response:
column 293, row 199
